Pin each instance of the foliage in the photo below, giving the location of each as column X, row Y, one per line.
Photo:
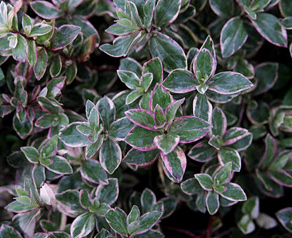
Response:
column 118, row 115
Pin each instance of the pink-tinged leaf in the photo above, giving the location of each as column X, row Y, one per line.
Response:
column 166, row 12
column 174, row 164
column 266, row 75
column 234, row 134
column 189, row 128
column 169, row 51
column 212, row 202
column 281, row 177
column 267, row 186
column 41, row 63
column 233, row 192
column 227, row 83
column 227, row 155
column 271, row 149
column 45, row 9
column 110, row 156
column 204, row 65
column 180, row 81
column 202, row 152
column 141, row 158
column 160, row 96
column 154, row 66
column 166, row 143
column 142, row 139
column 141, row 118
column 233, row 36
column 219, row 122
column 271, row 29
column 285, row 217
column 64, row 36
column 9, row 232
column 202, row 108
column 92, row 171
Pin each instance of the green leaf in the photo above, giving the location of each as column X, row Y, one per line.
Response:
column 82, row 225
column 41, row 63
column 232, row 37
column 271, row 29
column 285, row 217
column 59, row 165
column 148, row 10
column 142, row 139
column 202, row 152
column 212, row 202
column 159, row 117
column 141, row 118
column 110, row 155
column 174, row 164
column 166, row 12
column 71, row 73
column 72, row 137
column 20, row 51
column 160, row 97
column 129, row 78
column 19, row 207
column 180, row 81
column 251, row 207
column 117, row 220
column 205, row 180
column 285, row 8
column 40, row 29
column 9, row 232
column 31, row 53
column 202, row 108
column 266, row 75
column 147, row 221
column 129, row 64
column 45, row 9
column 223, row 9
column 133, row 215
column 169, row 51
column 107, row 111
column 31, row 154
column 120, row 128
column 108, row 193
column 233, row 192
column 246, row 225
column 154, row 66
column 141, row 158
column 219, row 122
column 69, row 203
column 224, row 175
column 204, row 65
column 189, row 128
column 56, row 66
column 92, row 171
column 121, row 45
column 166, row 143
column 148, row 200
column 230, row 155
column 229, row 83
column 64, row 36
column 191, row 186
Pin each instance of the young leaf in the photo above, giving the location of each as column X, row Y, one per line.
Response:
column 204, row 65
column 230, row 155
column 31, row 154
column 233, row 192
column 219, row 122
column 41, row 63
column 59, row 165
column 141, row 118
column 202, row 108
column 166, row 143
column 147, row 221
column 205, row 180
column 108, row 193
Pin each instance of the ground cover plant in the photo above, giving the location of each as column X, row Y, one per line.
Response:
column 145, row 118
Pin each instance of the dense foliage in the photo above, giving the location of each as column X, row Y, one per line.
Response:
column 121, row 117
